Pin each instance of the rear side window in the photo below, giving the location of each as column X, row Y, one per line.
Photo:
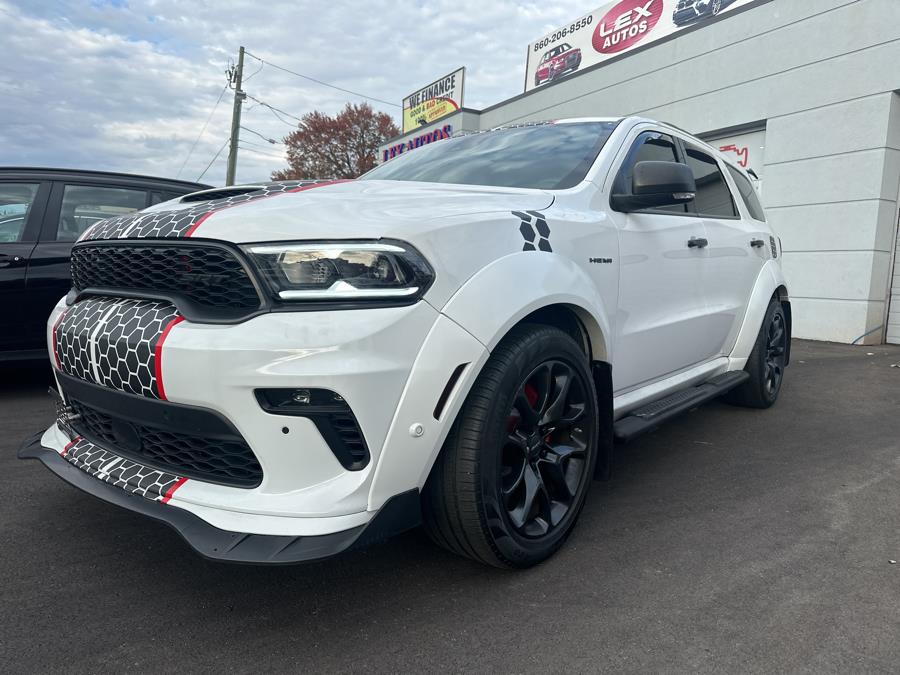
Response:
column 713, row 196
column 84, row 205
column 748, row 194
column 651, row 147
column 15, row 205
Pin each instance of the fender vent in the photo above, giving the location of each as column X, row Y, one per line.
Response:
column 448, row 389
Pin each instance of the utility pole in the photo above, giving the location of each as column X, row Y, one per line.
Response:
column 239, row 97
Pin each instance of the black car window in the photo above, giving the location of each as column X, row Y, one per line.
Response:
column 650, row 147
column 546, row 156
column 713, row 196
column 15, row 205
column 84, row 205
column 748, row 194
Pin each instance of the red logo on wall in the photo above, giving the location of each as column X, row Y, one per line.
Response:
column 742, row 153
column 626, row 24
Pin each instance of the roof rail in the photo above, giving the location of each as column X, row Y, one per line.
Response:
column 675, row 126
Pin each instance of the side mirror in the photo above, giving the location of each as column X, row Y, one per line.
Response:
column 657, row 184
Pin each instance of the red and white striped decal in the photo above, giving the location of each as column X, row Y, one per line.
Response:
column 202, row 219
column 168, row 495
column 69, row 446
column 53, row 337
column 157, row 353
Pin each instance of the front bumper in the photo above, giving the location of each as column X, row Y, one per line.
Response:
column 400, row 513
column 390, row 365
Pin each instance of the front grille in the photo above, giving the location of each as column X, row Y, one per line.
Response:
column 207, row 277
column 227, row 462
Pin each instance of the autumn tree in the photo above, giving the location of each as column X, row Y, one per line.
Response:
column 343, row 146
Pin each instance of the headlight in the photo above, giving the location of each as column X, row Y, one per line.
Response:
column 342, row 271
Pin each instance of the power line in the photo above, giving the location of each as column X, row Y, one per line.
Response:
column 271, row 141
column 324, row 84
column 255, row 72
column 258, row 145
column 205, row 124
column 264, row 154
column 275, row 110
column 213, row 159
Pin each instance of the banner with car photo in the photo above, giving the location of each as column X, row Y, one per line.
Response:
column 613, row 29
column 434, row 101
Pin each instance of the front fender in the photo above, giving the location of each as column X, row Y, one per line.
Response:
column 501, row 294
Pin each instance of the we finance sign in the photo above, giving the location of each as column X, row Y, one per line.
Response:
column 434, row 101
column 614, row 29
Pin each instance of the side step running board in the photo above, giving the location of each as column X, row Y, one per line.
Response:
column 653, row 414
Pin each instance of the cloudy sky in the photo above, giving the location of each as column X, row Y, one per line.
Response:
column 126, row 85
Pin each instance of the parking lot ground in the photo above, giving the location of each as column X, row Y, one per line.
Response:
column 730, row 540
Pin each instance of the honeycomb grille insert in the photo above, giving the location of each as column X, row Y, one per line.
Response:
column 208, row 277
column 226, row 462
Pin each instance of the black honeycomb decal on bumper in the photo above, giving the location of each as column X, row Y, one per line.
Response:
column 115, row 343
column 534, row 230
column 182, row 223
column 130, row 476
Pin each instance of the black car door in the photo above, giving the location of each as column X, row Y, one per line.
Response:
column 22, row 205
column 72, row 208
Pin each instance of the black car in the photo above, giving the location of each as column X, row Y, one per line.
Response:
column 42, row 213
column 687, row 11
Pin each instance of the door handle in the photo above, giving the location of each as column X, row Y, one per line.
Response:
column 5, row 259
column 757, row 243
column 697, row 242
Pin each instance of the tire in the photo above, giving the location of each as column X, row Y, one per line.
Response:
column 766, row 363
column 476, row 500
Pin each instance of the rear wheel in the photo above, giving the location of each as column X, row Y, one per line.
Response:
column 766, row 363
column 512, row 477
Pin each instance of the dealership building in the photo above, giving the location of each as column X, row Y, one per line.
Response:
column 805, row 93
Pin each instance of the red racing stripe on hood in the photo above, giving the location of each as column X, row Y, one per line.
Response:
column 202, row 219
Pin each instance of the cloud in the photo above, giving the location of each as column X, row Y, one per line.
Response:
column 126, row 85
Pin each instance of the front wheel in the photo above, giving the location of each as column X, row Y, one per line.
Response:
column 514, row 472
column 766, row 363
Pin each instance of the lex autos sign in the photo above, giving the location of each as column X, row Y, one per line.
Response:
column 614, row 29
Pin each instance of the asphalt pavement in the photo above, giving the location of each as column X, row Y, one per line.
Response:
column 729, row 541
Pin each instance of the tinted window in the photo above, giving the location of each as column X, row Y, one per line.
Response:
column 547, row 156
column 652, row 147
column 84, row 205
column 15, row 205
column 748, row 194
column 713, row 196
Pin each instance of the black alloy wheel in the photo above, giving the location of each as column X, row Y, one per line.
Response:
column 767, row 361
column 514, row 472
column 543, row 458
column 776, row 349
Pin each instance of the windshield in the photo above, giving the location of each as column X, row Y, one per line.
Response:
column 546, row 156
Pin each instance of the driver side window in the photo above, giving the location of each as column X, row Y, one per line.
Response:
column 651, row 147
column 15, row 205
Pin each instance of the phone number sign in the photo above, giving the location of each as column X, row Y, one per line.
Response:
column 614, row 29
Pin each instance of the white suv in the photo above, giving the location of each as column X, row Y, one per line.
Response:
column 287, row 371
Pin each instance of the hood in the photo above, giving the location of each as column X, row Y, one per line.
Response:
column 361, row 209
